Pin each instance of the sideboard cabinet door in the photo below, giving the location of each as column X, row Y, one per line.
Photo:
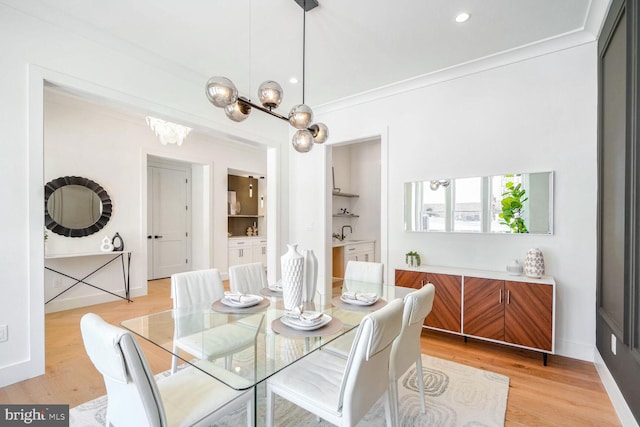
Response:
column 484, row 308
column 446, row 311
column 411, row 279
column 529, row 315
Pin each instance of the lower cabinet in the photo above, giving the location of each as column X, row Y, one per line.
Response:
column 445, row 313
column 245, row 251
column 259, row 253
column 342, row 254
column 514, row 312
column 528, row 315
column 498, row 309
column 359, row 252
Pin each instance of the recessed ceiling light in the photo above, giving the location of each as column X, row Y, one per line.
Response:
column 293, row 80
column 462, row 17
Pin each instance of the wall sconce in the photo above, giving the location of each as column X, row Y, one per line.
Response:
column 261, row 201
column 250, row 187
column 436, row 183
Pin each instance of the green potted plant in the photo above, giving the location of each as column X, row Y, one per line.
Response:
column 513, row 199
column 412, row 259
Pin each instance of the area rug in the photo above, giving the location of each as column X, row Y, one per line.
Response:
column 456, row 395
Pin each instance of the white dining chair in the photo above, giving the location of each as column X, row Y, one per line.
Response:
column 247, row 278
column 361, row 276
column 192, row 291
column 338, row 390
column 134, row 398
column 406, row 349
column 368, row 272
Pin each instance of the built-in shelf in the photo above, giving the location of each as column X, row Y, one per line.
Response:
column 346, row 215
column 246, row 216
column 341, row 194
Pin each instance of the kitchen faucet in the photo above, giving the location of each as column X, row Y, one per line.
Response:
column 343, row 227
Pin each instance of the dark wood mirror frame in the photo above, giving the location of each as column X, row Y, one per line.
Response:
column 107, row 207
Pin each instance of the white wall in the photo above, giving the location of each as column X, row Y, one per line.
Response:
column 111, row 147
column 533, row 115
column 34, row 51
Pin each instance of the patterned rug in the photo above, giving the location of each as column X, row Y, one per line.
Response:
column 457, row 395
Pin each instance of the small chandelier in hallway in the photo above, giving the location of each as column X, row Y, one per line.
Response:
column 168, row 132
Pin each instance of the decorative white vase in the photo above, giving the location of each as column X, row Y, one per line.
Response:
column 310, row 275
column 534, row 263
column 292, row 266
column 106, row 245
column 515, row 268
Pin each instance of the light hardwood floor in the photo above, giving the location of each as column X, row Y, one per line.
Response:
column 567, row 392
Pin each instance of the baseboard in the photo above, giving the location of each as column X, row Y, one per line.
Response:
column 69, row 303
column 20, row 371
column 619, row 404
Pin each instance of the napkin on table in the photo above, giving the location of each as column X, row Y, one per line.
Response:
column 360, row 296
column 308, row 317
column 239, row 297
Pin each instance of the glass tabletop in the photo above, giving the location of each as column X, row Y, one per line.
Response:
column 242, row 347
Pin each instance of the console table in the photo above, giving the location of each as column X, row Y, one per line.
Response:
column 112, row 256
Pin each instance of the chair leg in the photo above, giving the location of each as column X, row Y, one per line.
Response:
column 174, row 361
column 395, row 404
column 228, row 361
column 421, row 384
column 388, row 411
column 250, row 412
column 270, row 406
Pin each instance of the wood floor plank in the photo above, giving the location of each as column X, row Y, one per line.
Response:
column 567, row 392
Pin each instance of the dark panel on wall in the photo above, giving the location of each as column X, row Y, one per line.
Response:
column 613, row 181
column 623, row 366
column 618, row 277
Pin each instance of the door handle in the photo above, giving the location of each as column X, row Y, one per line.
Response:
column 149, row 237
column 157, row 237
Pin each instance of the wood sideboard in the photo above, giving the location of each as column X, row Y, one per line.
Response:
column 492, row 306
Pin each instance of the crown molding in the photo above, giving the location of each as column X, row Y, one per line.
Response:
column 501, row 59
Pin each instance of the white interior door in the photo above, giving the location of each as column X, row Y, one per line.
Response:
column 169, row 219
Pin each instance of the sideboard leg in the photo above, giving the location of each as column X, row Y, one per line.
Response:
column 465, row 338
column 544, row 358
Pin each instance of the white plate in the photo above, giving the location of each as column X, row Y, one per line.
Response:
column 230, row 303
column 276, row 287
column 296, row 324
column 357, row 301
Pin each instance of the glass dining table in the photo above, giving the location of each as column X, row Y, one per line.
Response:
column 259, row 340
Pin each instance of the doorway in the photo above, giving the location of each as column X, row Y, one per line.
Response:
column 356, row 202
column 168, row 217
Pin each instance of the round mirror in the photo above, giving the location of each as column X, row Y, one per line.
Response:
column 76, row 206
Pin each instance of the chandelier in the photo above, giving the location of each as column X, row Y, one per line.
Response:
column 168, row 132
column 222, row 93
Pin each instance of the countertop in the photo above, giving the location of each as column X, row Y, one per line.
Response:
column 487, row 274
column 338, row 244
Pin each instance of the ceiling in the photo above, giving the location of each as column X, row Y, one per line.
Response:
column 352, row 46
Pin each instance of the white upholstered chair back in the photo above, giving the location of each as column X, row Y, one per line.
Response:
column 364, row 382
column 369, row 272
column 196, row 288
column 187, row 398
column 133, row 396
column 247, row 278
column 406, row 350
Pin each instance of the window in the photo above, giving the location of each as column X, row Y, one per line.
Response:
column 467, row 204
